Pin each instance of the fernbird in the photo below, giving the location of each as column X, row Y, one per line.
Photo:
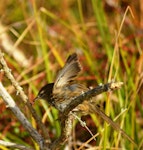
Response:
column 60, row 93
column 65, row 88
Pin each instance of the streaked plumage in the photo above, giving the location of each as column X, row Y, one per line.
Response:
column 65, row 88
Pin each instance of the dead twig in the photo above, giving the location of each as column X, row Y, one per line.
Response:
column 20, row 116
column 24, row 97
column 14, row 145
column 66, row 118
column 92, row 93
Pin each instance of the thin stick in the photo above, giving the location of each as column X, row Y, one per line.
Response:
column 92, row 93
column 65, row 126
column 23, row 97
column 14, row 145
column 20, row 116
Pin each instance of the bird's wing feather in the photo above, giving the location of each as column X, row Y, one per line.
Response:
column 69, row 72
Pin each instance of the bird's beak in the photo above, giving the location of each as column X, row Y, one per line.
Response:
column 35, row 99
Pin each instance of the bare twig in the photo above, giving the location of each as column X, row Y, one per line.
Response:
column 83, row 124
column 20, row 116
column 92, row 93
column 66, row 127
column 24, row 97
column 101, row 131
column 75, row 102
column 14, row 145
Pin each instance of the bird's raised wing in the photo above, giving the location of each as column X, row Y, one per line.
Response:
column 69, row 72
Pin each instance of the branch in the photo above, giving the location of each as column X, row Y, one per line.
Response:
column 66, row 118
column 24, row 97
column 91, row 93
column 66, row 127
column 20, row 116
column 14, row 145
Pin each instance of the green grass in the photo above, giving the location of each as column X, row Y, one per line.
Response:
column 108, row 48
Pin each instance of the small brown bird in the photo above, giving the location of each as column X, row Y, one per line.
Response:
column 60, row 93
column 65, row 88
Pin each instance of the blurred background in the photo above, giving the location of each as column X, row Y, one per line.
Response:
column 37, row 36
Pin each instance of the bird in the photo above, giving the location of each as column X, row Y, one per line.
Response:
column 60, row 93
column 65, row 88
